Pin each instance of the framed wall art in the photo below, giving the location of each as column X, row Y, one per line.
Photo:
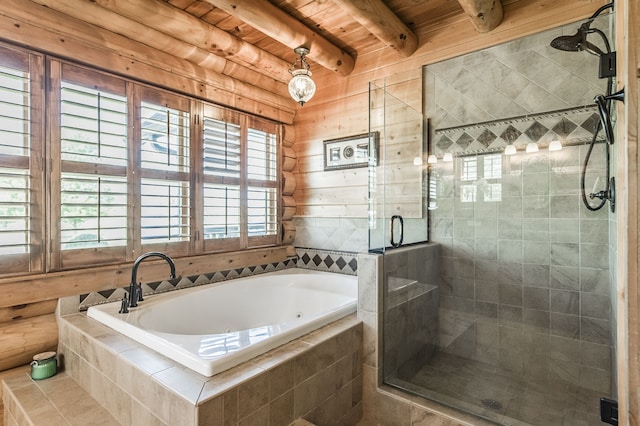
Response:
column 351, row 151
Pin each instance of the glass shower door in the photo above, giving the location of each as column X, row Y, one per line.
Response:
column 397, row 172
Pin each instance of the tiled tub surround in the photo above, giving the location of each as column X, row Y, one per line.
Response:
column 209, row 329
column 317, row 377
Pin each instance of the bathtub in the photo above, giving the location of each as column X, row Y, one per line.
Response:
column 214, row 327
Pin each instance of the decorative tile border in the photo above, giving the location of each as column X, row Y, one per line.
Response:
column 113, row 295
column 572, row 126
column 327, row 260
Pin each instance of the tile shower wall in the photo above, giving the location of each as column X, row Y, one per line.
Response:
column 525, row 267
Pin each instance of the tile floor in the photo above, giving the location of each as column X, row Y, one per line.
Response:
column 498, row 396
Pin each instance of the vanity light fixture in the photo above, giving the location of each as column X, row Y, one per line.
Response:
column 555, row 145
column 531, row 147
column 301, row 86
column 510, row 149
column 447, row 157
column 432, row 159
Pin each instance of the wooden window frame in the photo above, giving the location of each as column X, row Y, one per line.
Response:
column 46, row 190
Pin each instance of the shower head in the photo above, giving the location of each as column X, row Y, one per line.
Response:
column 570, row 43
column 577, row 42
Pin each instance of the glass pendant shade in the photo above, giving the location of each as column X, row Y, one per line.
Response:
column 301, row 87
column 532, row 147
column 510, row 149
column 555, row 145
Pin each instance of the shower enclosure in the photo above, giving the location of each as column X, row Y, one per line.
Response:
column 507, row 313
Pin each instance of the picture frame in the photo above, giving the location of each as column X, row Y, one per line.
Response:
column 351, row 151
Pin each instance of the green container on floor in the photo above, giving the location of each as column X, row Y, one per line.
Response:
column 44, row 365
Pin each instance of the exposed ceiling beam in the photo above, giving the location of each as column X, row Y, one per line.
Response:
column 163, row 17
column 376, row 17
column 484, row 14
column 88, row 11
column 279, row 25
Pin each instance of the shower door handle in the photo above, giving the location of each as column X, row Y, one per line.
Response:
column 393, row 219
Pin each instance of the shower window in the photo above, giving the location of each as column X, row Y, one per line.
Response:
column 481, row 175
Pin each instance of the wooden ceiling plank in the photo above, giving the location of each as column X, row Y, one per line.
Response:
column 484, row 14
column 165, row 18
column 383, row 23
column 279, row 25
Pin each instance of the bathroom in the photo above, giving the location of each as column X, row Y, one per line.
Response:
column 331, row 207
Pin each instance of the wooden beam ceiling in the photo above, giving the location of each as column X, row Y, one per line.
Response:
column 186, row 27
column 279, row 25
column 383, row 23
column 484, row 14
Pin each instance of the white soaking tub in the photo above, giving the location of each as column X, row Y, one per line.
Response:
column 214, row 327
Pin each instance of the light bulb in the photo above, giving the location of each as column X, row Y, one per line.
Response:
column 532, row 147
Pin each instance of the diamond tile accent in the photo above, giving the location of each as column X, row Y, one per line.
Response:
column 341, row 263
column 317, row 260
column 328, row 261
column 353, row 264
column 536, row 131
column 564, row 127
column 486, row 138
column 444, row 143
column 305, row 258
column 464, row 141
column 591, row 123
column 510, row 134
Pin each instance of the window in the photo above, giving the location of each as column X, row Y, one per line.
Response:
column 21, row 180
column 127, row 168
column 222, row 164
column 481, row 174
column 262, row 194
column 90, row 180
column 136, row 169
column 165, row 187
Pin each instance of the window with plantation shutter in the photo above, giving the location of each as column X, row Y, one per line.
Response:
column 262, row 191
column 93, row 147
column 21, row 183
column 165, row 187
column 221, row 170
column 127, row 169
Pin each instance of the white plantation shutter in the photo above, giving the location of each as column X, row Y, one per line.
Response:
column 165, row 186
column 262, row 178
column 128, row 168
column 93, row 178
column 21, row 183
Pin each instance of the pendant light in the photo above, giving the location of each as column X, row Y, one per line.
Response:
column 301, row 87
